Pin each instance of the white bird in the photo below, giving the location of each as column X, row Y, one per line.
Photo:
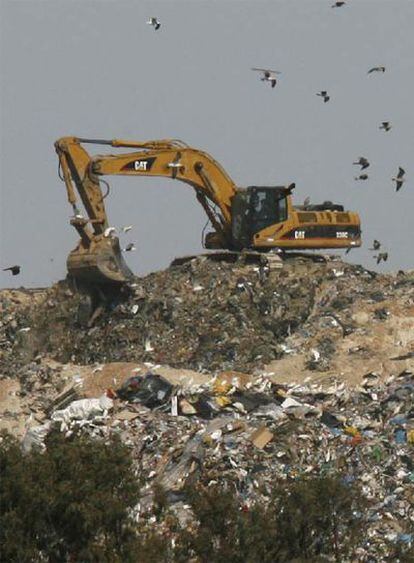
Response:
column 126, row 229
column 109, row 232
column 268, row 75
column 154, row 22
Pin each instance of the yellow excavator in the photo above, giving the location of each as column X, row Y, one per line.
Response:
column 256, row 218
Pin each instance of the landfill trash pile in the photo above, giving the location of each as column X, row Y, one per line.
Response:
column 229, row 373
column 247, row 432
column 212, row 316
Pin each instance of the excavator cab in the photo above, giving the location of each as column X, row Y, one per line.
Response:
column 255, row 208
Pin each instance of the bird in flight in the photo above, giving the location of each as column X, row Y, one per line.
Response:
column 362, row 162
column 127, row 228
column 376, row 245
column 268, row 75
column 338, row 4
column 376, row 69
column 130, row 247
column 381, row 257
column 399, row 179
column 324, row 94
column 15, row 270
column 154, row 22
column 361, row 177
column 385, row 125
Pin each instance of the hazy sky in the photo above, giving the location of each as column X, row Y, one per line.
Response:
column 94, row 68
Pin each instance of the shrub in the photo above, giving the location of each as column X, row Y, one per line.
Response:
column 311, row 519
column 70, row 503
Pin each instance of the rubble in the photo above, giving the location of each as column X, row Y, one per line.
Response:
column 236, row 320
column 212, row 373
column 293, row 430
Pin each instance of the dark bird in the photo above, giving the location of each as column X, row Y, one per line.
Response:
column 399, row 179
column 268, row 75
column 154, row 22
column 324, row 95
column 337, row 4
column 361, row 177
column 15, row 270
column 386, row 125
column 376, row 69
column 348, row 250
column 130, row 247
column 376, row 245
column 381, row 257
column 362, row 162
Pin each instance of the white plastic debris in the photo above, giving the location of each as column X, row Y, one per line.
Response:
column 83, row 409
column 35, row 437
column 148, row 347
column 289, row 403
column 315, row 355
column 174, row 405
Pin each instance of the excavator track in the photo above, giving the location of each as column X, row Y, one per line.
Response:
column 273, row 260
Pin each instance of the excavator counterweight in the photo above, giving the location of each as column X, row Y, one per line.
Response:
column 259, row 218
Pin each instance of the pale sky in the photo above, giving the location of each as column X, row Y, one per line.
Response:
column 95, row 69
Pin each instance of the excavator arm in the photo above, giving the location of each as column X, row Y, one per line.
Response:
column 166, row 158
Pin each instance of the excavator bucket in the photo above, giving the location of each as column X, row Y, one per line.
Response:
column 101, row 262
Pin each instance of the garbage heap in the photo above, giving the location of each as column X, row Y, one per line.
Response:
column 208, row 316
column 246, row 431
column 303, row 370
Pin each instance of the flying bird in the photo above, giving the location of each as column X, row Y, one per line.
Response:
column 130, row 247
column 15, row 270
column 154, row 22
column 399, row 179
column 337, row 4
column 268, row 75
column 126, row 229
column 376, row 69
column 376, row 245
column 306, row 202
column 386, row 125
column 324, row 95
column 361, row 177
column 362, row 162
column 381, row 256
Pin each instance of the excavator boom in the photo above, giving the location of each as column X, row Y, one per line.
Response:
column 256, row 217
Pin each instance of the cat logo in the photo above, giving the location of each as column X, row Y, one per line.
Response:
column 299, row 234
column 143, row 165
column 140, row 165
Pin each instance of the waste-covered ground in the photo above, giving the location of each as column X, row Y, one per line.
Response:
column 216, row 372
